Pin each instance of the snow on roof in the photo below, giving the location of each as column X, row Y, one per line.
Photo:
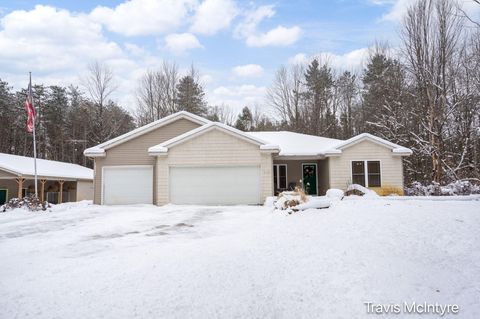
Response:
column 163, row 147
column 99, row 150
column 397, row 149
column 22, row 165
column 296, row 144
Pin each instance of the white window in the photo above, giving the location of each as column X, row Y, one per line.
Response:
column 366, row 173
column 280, row 176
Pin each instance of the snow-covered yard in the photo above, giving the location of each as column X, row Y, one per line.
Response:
column 86, row 261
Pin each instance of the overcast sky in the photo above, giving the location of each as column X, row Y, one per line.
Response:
column 236, row 45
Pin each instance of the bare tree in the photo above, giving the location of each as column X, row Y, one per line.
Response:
column 285, row 95
column 223, row 114
column 157, row 93
column 432, row 36
column 99, row 83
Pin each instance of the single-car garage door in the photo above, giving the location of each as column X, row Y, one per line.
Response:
column 123, row 185
column 215, row 185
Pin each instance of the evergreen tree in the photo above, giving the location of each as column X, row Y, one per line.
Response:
column 318, row 98
column 245, row 120
column 190, row 96
column 385, row 98
column 53, row 118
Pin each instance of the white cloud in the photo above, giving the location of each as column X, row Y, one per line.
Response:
column 353, row 60
column 248, row 70
column 57, row 45
column 238, row 96
column 144, row 17
column 299, row 58
column 400, row 7
column 278, row 36
column 135, row 49
column 213, row 16
column 398, row 10
column 47, row 38
column 179, row 43
column 252, row 18
column 206, row 79
column 380, row 2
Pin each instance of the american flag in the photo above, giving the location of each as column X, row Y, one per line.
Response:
column 31, row 114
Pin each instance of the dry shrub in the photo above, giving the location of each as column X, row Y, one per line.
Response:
column 388, row 190
column 291, row 203
column 302, row 194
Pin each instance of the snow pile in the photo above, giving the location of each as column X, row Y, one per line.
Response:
column 435, row 189
column 335, row 194
column 294, row 201
column 288, row 200
column 314, row 203
column 270, row 201
column 365, row 191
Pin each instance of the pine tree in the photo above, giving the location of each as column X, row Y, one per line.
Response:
column 245, row 120
column 384, row 96
column 319, row 85
column 190, row 96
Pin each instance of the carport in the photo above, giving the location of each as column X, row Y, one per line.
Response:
column 58, row 182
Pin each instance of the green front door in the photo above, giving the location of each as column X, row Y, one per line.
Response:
column 3, row 196
column 310, row 178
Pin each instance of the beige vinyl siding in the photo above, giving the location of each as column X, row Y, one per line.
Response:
column 214, row 148
column 84, row 190
column 340, row 167
column 12, row 187
column 135, row 151
column 323, row 176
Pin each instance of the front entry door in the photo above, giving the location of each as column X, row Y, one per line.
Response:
column 310, row 178
column 3, row 196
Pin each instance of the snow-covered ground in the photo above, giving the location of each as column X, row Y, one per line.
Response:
column 86, row 261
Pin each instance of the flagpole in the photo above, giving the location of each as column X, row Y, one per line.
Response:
column 34, row 141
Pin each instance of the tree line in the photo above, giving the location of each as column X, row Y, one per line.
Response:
column 68, row 119
column 424, row 95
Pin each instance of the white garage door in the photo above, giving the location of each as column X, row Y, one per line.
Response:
column 127, row 185
column 215, row 185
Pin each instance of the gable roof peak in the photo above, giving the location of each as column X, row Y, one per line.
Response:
column 99, row 150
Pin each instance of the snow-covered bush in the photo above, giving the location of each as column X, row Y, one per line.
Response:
column 294, row 201
column 290, row 199
column 435, row 189
column 30, row 203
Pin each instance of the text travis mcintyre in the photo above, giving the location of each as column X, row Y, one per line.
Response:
column 412, row 307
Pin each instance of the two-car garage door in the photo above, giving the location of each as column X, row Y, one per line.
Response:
column 124, row 185
column 215, row 185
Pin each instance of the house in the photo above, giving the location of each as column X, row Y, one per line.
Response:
column 57, row 181
column 187, row 159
